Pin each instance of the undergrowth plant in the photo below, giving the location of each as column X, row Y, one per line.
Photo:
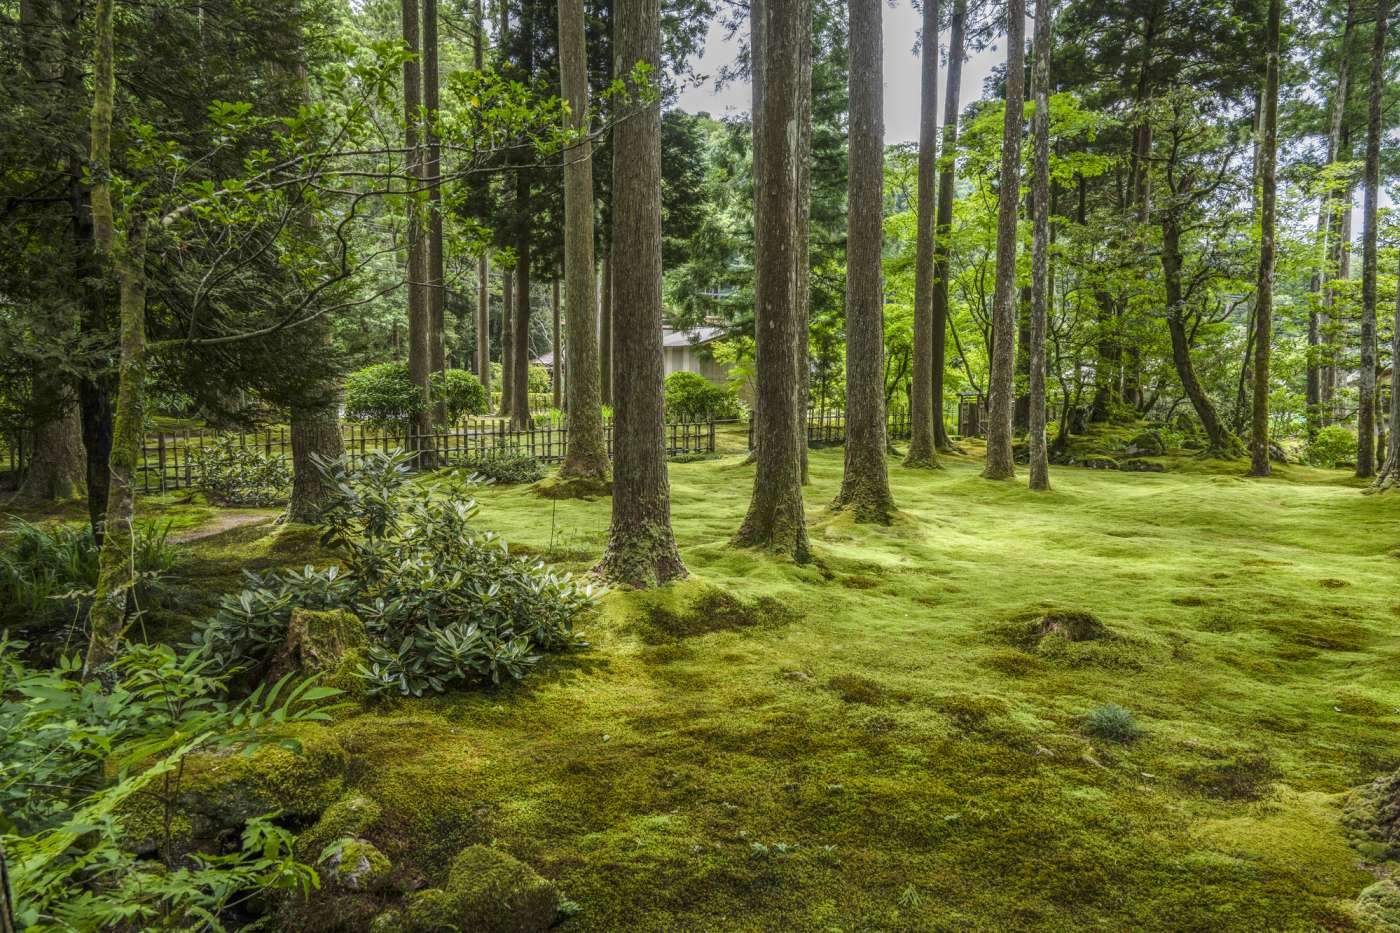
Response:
column 80, row 759
column 239, row 475
column 443, row 602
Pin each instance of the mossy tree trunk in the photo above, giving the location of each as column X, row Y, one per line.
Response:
column 922, row 443
column 1264, row 290
column 943, row 227
column 865, row 487
column 1000, row 461
column 641, row 549
column 775, row 519
column 1366, row 386
column 483, row 264
column 605, row 331
column 1389, row 476
column 1040, row 258
column 587, row 454
column 435, row 280
column 419, row 316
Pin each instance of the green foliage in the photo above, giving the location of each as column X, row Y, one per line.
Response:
column 382, row 394
column 1332, row 445
column 507, row 468
column 539, row 379
column 443, row 602
column 691, row 395
column 76, row 757
column 1112, row 722
column 460, row 392
column 48, row 574
column 235, row 474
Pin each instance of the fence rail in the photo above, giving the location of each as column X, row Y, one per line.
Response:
column 828, row 428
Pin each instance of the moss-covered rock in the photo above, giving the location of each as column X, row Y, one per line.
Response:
column 329, row 642
column 348, row 817
column 229, row 787
column 1138, row 465
column 1372, row 818
column 487, row 891
column 1146, row 444
column 357, row 865
column 1380, row 904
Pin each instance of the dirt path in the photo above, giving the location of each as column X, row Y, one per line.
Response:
column 226, row 521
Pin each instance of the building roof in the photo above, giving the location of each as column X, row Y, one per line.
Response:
column 674, row 339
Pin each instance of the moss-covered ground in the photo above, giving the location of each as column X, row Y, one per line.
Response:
column 895, row 738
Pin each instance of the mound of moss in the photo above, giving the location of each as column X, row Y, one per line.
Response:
column 487, row 891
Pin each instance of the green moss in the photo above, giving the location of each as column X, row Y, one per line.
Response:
column 358, row 866
column 487, row 891
column 852, row 688
column 572, row 487
column 348, row 817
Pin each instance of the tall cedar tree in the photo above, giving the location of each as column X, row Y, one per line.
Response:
column 865, row 486
column 1338, row 253
column 483, row 264
column 1264, row 291
column 922, row 443
column 1366, row 408
column 775, row 519
column 641, row 548
column 943, row 228
column 419, row 359
column 1389, row 476
column 587, row 454
column 1000, row 462
column 434, row 280
column 1040, row 255
column 556, row 374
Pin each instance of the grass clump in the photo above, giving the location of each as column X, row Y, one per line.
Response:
column 1112, row 722
column 708, row 611
column 853, row 688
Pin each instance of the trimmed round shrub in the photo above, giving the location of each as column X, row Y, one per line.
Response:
column 691, row 395
column 1333, row 444
column 382, row 394
column 461, row 392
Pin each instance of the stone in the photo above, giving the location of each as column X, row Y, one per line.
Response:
column 1138, row 465
column 357, row 865
column 487, row 891
column 328, row 642
column 1146, row 444
column 1099, row 463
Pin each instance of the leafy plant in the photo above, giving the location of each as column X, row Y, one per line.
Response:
column 1112, row 722
column 74, row 756
column 691, row 395
column 443, row 602
column 539, row 379
column 382, row 394
column 239, row 475
column 460, row 392
column 1332, row 445
column 507, row 468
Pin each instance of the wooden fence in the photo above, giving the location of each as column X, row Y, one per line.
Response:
column 170, row 461
column 828, row 428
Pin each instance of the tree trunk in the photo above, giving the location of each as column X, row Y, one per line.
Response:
column 1040, row 256
column 641, row 548
column 56, row 469
column 315, row 430
column 435, row 282
column 1264, row 291
column 1389, row 476
column 1000, row 462
column 587, row 454
column 556, row 349
column 1223, row 444
column 483, row 324
column 942, row 248
column 922, row 443
column 804, row 230
column 775, row 520
column 1366, row 409
column 520, row 329
column 605, row 329
column 507, row 343
column 419, row 317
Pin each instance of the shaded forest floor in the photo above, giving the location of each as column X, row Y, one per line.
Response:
column 888, row 739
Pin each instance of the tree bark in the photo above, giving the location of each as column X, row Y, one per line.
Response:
column 641, row 548
column 775, row 520
column 483, row 324
column 315, row 431
column 804, row 230
column 419, row 317
column 1000, row 461
column 1264, row 291
column 1366, row 409
column 435, row 282
column 587, row 454
column 1040, row 257
column 1389, row 476
column 556, row 349
column 507, row 343
column 57, row 461
column 922, row 443
column 520, row 328
column 865, row 487
column 947, row 194
column 605, row 329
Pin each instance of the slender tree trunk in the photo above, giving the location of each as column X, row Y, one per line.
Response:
column 507, row 343
column 1040, row 258
column 1264, row 292
column 483, row 324
column 605, row 330
column 419, row 315
column 435, row 281
column 922, row 442
column 520, row 329
column 556, row 372
column 1366, row 410
column 804, row 231
column 641, row 548
column 942, row 248
column 1000, row 462
column 587, row 455
column 1336, row 317
column 775, row 519
column 865, row 488
column 1389, row 476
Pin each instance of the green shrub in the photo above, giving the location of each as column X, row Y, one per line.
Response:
column 382, row 394
column 443, row 602
column 691, row 395
column 1332, row 445
column 1112, row 722
column 460, row 392
column 507, row 468
column 540, row 380
column 237, row 475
